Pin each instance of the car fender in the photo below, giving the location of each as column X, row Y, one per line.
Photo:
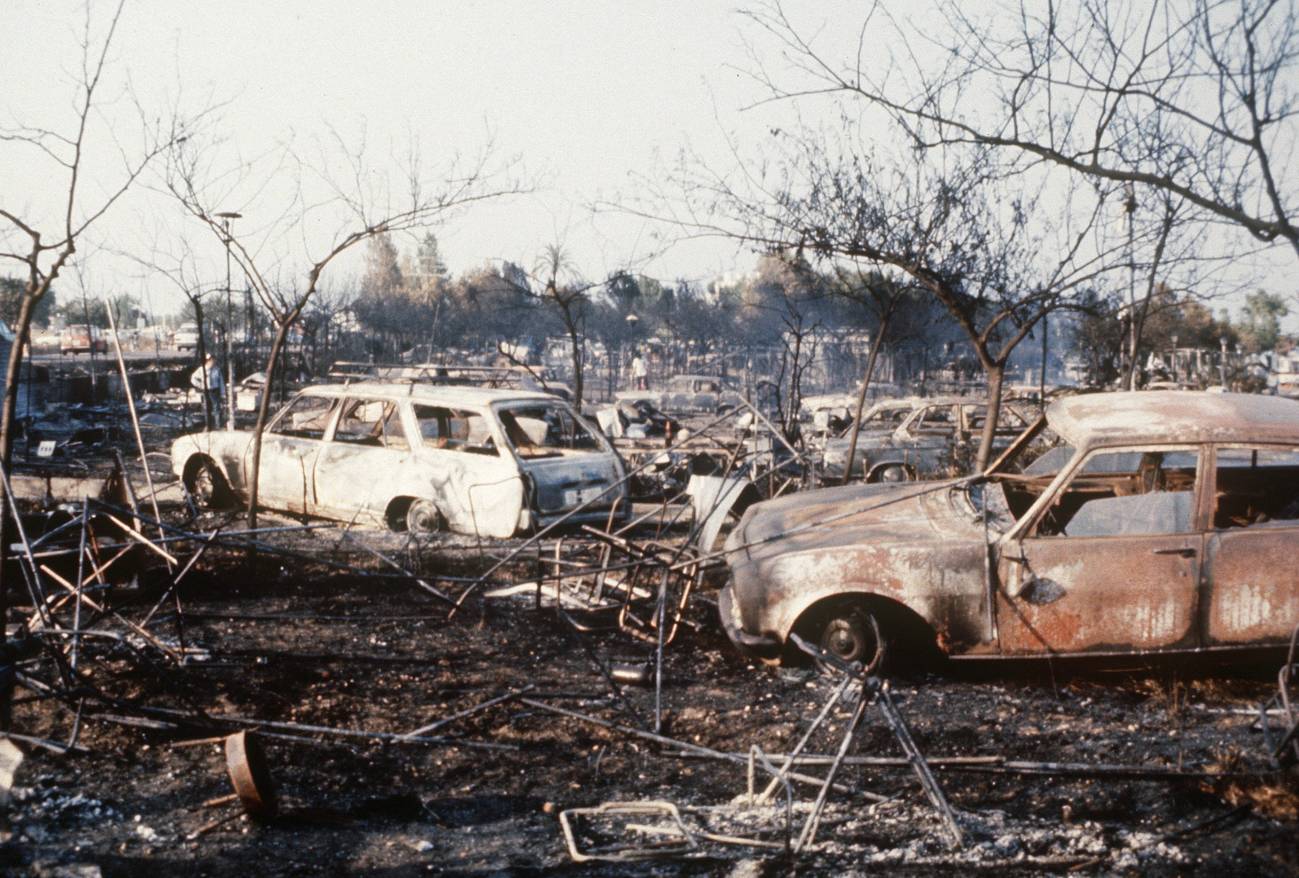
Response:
column 223, row 448
column 936, row 583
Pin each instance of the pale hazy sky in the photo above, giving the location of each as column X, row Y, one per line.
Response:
column 593, row 97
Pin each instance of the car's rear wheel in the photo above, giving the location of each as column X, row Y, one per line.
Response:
column 852, row 634
column 208, row 486
column 422, row 517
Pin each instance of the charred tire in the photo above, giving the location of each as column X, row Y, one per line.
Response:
column 422, row 517
column 852, row 634
column 206, row 484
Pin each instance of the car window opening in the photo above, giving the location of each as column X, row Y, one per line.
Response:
column 371, row 422
column 1126, row 493
column 304, row 418
column 1256, row 487
column 455, row 430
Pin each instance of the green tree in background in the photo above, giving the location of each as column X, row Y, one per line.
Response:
column 1260, row 328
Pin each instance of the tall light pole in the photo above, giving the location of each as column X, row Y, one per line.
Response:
column 226, row 218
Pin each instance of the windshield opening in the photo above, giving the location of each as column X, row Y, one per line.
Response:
column 1019, row 476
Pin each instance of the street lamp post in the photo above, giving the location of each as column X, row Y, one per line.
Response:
column 226, row 218
column 1223, row 341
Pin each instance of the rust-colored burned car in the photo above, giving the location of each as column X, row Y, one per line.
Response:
column 1162, row 522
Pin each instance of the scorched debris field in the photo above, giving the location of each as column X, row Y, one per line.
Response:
column 399, row 740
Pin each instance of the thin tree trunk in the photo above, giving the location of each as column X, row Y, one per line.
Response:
column 263, row 408
column 576, row 343
column 876, row 342
column 202, row 363
column 12, row 370
column 996, row 372
column 1041, row 377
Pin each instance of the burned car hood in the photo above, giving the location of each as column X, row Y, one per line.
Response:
column 852, row 515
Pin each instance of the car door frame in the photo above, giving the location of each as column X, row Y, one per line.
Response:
column 1012, row 564
column 326, row 503
column 478, row 494
column 1252, row 612
column 277, row 444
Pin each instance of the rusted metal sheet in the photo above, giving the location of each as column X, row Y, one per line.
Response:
column 1255, row 595
column 878, row 541
column 250, row 775
column 1100, row 594
column 1167, row 415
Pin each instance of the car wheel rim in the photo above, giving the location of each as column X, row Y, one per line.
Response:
column 854, row 638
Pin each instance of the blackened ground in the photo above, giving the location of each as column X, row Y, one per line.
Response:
column 288, row 642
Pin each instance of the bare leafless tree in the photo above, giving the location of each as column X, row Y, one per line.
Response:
column 363, row 213
column 44, row 248
column 568, row 295
column 1194, row 98
column 556, row 285
column 974, row 240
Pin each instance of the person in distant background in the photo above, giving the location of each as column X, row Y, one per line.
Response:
column 207, row 381
column 639, row 374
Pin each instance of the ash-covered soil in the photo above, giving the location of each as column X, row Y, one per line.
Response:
column 290, row 642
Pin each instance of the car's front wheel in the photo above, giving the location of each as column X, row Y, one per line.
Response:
column 852, row 634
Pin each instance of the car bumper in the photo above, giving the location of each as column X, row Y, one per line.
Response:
column 762, row 646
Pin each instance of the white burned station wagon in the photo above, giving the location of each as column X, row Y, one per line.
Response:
column 416, row 457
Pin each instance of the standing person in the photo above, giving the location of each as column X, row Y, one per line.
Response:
column 206, row 379
column 639, row 374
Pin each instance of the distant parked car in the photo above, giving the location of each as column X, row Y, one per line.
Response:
column 917, row 439
column 48, row 339
column 417, row 457
column 690, row 394
column 81, row 339
column 185, row 338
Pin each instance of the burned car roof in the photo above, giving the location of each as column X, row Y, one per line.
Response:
column 1173, row 416
column 447, row 394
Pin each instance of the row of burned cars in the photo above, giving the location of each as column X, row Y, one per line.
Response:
column 1108, row 523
